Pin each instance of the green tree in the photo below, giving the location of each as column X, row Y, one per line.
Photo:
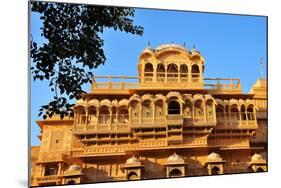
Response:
column 73, row 48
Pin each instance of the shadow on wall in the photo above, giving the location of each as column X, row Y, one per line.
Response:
column 97, row 175
column 152, row 170
column 195, row 168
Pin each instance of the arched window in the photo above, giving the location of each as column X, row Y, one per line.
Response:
column 92, row 115
column 175, row 173
column 147, row 111
column 172, row 73
column 135, row 109
column 209, row 110
column 123, row 115
column 132, row 176
column 215, row 170
column 220, row 113
column 71, row 182
column 104, row 115
column 187, row 109
column 250, row 112
column 243, row 113
column 148, row 72
column 259, row 170
column 184, row 73
column 198, row 110
column 174, row 107
column 160, row 72
column 195, row 73
column 234, row 112
column 81, row 115
column 159, row 109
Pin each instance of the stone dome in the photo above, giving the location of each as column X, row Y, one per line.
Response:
column 133, row 159
column 256, row 157
column 74, row 167
column 148, row 49
column 164, row 46
column 175, row 157
column 194, row 51
column 213, row 156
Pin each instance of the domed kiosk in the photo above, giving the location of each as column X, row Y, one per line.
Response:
column 175, row 166
column 72, row 175
column 258, row 163
column 214, row 164
column 170, row 66
column 133, row 168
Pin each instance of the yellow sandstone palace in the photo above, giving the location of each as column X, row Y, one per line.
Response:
column 169, row 121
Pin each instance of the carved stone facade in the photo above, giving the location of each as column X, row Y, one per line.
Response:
column 171, row 122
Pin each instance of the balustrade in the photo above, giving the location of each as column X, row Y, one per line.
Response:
column 48, row 178
column 131, row 82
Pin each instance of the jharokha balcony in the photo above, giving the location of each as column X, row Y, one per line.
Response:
column 236, row 120
column 202, row 112
column 102, row 122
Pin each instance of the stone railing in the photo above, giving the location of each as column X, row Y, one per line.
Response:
column 110, row 149
column 229, row 143
column 174, row 119
column 132, row 82
column 48, row 178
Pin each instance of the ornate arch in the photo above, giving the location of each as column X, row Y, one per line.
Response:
column 94, row 102
column 105, row 102
column 173, row 95
column 123, row 102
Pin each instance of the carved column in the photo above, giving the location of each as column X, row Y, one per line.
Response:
column 117, row 119
column 189, row 73
column 204, row 111
column 165, row 72
column 140, row 115
column 86, row 119
column 110, row 118
column 98, row 118
column 154, row 72
column 214, row 112
column 178, row 72
column 42, row 170
column 59, row 170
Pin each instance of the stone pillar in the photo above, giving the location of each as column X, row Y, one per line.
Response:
column 98, row 118
column 214, row 112
column 189, row 73
column 142, row 73
column 42, row 170
column 154, row 72
column 153, row 112
column 165, row 72
column 204, row 111
column 140, row 115
column 117, row 120
column 178, row 73
column 59, row 169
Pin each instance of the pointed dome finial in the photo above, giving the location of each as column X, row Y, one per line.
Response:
column 148, row 44
column 193, row 47
column 184, row 44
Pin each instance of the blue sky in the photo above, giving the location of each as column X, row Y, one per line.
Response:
column 231, row 45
